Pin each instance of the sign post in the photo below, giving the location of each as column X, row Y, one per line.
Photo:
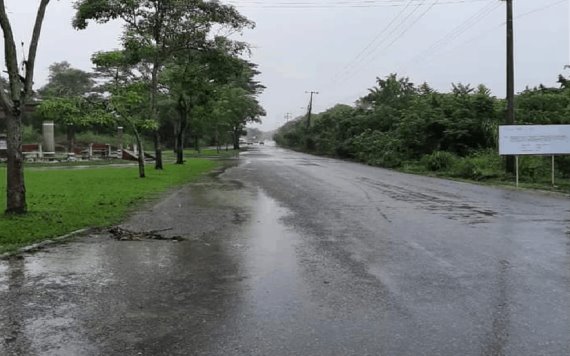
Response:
column 517, row 170
column 552, row 170
column 537, row 140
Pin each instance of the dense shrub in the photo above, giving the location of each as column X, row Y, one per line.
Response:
column 480, row 165
column 453, row 133
column 438, row 161
column 31, row 135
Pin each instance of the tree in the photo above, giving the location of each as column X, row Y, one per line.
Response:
column 13, row 99
column 66, row 111
column 64, row 98
column 158, row 29
column 191, row 79
column 124, row 96
column 188, row 84
column 66, row 81
column 237, row 107
column 127, row 105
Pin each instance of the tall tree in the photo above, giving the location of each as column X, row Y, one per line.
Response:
column 13, row 98
column 237, row 107
column 124, row 95
column 66, row 81
column 64, row 98
column 158, row 29
column 191, row 80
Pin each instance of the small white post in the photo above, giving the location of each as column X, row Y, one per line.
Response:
column 553, row 171
column 517, row 169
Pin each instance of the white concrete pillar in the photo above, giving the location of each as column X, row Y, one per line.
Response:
column 48, row 129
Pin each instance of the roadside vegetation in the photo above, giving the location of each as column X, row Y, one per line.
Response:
column 416, row 129
column 177, row 80
column 65, row 200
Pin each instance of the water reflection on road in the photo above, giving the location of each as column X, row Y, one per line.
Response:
column 288, row 254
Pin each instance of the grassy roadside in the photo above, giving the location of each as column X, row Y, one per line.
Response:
column 207, row 152
column 483, row 169
column 62, row 201
column 560, row 186
column 488, row 170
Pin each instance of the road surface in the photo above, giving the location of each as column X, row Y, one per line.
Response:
column 290, row 254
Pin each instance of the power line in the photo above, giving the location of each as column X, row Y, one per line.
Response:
column 428, row 58
column 376, row 38
column 403, row 31
column 360, row 4
column 410, row 27
column 375, row 44
column 456, row 32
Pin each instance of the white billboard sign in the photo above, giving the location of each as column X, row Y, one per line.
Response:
column 3, row 144
column 534, row 140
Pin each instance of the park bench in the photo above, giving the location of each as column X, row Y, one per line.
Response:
column 100, row 150
column 32, row 151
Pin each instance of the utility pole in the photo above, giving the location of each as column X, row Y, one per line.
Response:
column 510, row 120
column 310, row 109
column 288, row 116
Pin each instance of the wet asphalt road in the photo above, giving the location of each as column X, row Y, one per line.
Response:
column 289, row 254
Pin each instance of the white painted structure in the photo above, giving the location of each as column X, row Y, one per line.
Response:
column 518, row 140
column 49, row 138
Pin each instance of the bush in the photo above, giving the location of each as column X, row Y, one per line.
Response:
column 30, row 135
column 378, row 149
column 438, row 161
column 480, row 165
column 534, row 168
column 466, row 168
column 562, row 165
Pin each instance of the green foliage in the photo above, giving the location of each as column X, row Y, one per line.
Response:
column 86, row 137
column 64, row 110
column 98, row 196
column 377, row 148
column 66, row 81
column 31, row 135
column 399, row 124
column 438, row 161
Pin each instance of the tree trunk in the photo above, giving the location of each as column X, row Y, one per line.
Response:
column 179, row 130
column 12, row 98
column 70, row 138
column 157, row 151
column 154, row 114
column 197, row 144
column 16, row 189
column 175, row 132
column 179, row 144
column 180, row 155
column 236, row 139
column 217, row 141
column 141, row 153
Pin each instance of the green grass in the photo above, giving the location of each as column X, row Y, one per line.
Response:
column 170, row 156
column 561, row 185
column 103, row 162
column 62, row 201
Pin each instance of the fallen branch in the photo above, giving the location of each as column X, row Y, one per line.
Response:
column 121, row 234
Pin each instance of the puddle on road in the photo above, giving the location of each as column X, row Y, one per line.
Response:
column 88, row 296
column 272, row 261
column 40, row 300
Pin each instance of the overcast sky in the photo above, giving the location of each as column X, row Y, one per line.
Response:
column 339, row 47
